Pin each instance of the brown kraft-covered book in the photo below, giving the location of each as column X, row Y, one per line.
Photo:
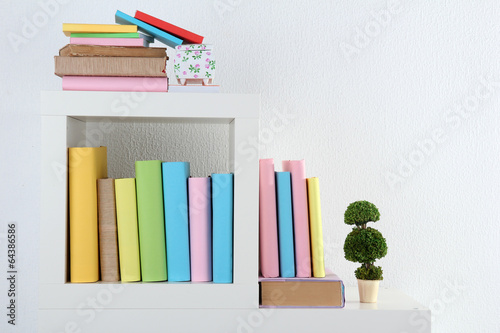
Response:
column 110, row 66
column 108, row 234
column 76, row 50
column 302, row 292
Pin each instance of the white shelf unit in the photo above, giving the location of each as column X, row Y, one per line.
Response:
column 67, row 117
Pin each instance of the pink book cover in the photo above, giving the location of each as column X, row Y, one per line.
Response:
column 110, row 41
column 115, row 83
column 268, row 225
column 297, row 170
column 200, row 229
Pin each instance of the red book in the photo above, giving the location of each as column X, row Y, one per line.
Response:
column 187, row 36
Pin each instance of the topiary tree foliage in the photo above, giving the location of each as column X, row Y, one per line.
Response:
column 364, row 244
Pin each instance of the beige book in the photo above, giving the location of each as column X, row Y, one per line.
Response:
column 76, row 50
column 108, row 236
column 110, row 66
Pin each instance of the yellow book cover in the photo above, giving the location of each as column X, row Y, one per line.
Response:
column 85, row 166
column 128, row 234
column 315, row 226
column 69, row 28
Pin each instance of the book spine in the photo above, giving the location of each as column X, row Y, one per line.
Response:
column 300, row 217
column 109, row 41
column 128, row 233
column 151, row 220
column 200, row 229
column 105, row 35
column 268, row 227
column 85, row 166
column 222, row 220
column 108, row 237
column 187, row 36
column 110, row 66
column 175, row 196
column 285, row 224
column 315, row 224
column 114, row 83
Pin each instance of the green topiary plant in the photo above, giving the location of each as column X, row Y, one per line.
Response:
column 364, row 244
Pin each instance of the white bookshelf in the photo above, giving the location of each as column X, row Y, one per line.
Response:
column 67, row 118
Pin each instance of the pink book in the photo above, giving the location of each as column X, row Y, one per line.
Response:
column 115, row 83
column 200, row 229
column 268, row 225
column 297, row 170
column 110, row 41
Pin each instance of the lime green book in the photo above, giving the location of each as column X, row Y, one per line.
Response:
column 316, row 228
column 151, row 220
column 128, row 232
column 105, row 35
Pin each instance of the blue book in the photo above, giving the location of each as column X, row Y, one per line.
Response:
column 158, row 34
column 222, row 222
column 175, row 202
column 285, row 224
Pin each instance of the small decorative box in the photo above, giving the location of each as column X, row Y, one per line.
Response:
column 194, row 63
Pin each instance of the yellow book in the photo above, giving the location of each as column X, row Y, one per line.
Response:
column 128, row 234
column 79, row 28
column 85, row 166
column 315, row 226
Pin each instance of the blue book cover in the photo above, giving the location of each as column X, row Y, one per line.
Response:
column 162, row 36
column 222, row 222
column 175, row 201
column 285, row 224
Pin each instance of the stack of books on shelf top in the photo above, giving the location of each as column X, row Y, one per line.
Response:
column 162, row 225
column 117, row 57
column 291, row 240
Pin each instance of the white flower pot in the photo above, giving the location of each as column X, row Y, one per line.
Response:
column 368, row 290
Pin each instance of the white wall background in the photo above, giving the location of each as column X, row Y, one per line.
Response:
column 401, row 104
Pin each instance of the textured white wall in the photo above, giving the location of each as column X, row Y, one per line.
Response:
column 402, row 113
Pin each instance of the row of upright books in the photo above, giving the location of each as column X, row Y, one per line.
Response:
column 291, row 236
column 162, row 225
column 292, row 268
column 117, row 57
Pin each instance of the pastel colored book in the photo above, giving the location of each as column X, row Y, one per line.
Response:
column 175, row 202
column 327, row 292
column 187, row 36
column 136, row 42
column 158, row 34
column 108, row 235
column 285, row 224
column 69, row 28
column 110, row 66
column 315, row 227
column 128, row 232
column 300, row 217
column 85, row 166
column 151, row 220
column 222, row 229
column 200, row 229
column 75, row 50
column 114, row 83
column 106, row 35
column 268, row 226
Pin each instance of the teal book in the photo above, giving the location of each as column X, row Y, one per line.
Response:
column 175, row 201
column 285, row 224
column 222, row 221
column 151, row 221
column 162, row 36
